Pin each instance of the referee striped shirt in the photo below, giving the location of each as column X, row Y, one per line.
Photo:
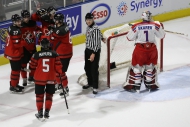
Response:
column 93, row 38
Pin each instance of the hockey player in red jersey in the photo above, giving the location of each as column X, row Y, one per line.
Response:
column 62, row 44
column 28, row 29
column 46, row 64
column 46, row 20
column 145, row 54
column 14, row 52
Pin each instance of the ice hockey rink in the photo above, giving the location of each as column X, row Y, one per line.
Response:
column 167, row 107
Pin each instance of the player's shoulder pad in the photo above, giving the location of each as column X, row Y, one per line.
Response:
column 63, row 29
column 54, row 53
column 13, row 30
column 135, row 25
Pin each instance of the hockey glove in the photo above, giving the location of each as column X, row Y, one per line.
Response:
column 38, row 34
column 50, row 27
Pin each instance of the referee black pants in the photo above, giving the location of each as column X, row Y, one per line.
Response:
column 91, row 68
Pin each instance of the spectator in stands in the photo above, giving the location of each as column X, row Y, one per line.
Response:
column 76, row 1
column 2, row 14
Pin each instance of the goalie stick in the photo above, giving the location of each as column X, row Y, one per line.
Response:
column 176, row 33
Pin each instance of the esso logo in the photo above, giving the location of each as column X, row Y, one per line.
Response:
column 101, row 13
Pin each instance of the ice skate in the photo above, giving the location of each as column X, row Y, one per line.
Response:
column 39, row 115
column 46, row 115
column 24, row 83
column 15, row 90
column 30, row 80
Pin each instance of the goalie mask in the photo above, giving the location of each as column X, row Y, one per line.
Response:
column 146, row 16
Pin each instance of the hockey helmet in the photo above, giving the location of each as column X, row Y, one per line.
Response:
column 41, row 12
column 51, row 10
column 146, row 15
column 25, row 14
column 59, row 17
column 16, row 17
column 89, row 16
column 45, row 43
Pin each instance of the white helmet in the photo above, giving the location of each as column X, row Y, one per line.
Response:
column 146, row 15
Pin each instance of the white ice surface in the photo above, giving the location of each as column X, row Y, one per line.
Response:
column 169, row 107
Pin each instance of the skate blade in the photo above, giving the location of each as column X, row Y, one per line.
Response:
column 45, row 119
column 13, row 92
column 41, row 119
column 30, row 83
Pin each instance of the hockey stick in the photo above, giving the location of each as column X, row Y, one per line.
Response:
column 25, row 69
column 176, row 33
column 64, row 94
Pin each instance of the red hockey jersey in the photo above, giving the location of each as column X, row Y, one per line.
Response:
column 14, row 47
column 45, row 24
column 61, row 41
column 46, row 64
column 28, row 31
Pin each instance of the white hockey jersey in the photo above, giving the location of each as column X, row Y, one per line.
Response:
column 145, row 32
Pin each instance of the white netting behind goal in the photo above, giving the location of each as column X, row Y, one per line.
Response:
column 120, row 54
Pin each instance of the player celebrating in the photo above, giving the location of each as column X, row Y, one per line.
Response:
column 29, row 42
column 51, row 12
column 43, row 17
column 62, row 44
column 14, row 52
column 145, row 54
column 46, row 64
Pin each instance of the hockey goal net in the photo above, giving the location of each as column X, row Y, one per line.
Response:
column 116, row 54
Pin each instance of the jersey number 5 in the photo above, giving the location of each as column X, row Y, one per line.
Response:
column 45, row 65
column 146, row 32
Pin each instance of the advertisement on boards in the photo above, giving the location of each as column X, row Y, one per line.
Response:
column 111, row 13
column 72, row 17
column 3, row 36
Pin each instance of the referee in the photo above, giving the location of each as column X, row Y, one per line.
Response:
column 92, row 52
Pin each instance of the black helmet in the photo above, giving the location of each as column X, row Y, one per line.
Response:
column 25, row 14
column 15, row 17
column 51, row 10
column 89, row 16
column 45, row 43
column 59, row 17
column 41, row 12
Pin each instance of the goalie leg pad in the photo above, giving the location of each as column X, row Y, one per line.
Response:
column 133, row 79
column 150, row 77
